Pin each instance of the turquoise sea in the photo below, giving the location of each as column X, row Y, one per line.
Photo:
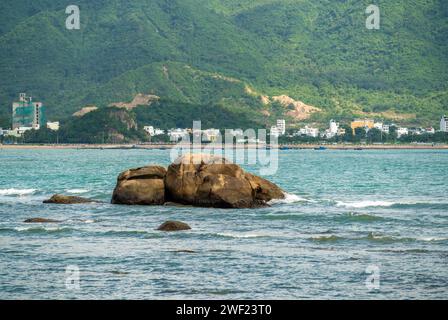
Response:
column 347, row 212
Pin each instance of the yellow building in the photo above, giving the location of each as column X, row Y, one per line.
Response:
column 362, row 123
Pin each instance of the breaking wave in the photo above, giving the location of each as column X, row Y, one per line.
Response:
column 364, row 204
column 77, row 191
column 387, row 204
column 16, row 192
column 289, row 198
column 37, row 230
column 241, row 235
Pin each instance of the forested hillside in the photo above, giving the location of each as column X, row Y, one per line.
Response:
column 229, row 55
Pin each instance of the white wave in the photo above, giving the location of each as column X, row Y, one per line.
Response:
column 77, row 191
column 16, row 192
column 241, row 235
column 36, row 228
column 432, row 239
column 289, row 198
column 364, row 204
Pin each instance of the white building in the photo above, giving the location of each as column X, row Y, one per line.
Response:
column 275, row 131
column 444, row 124
column 235, row 132
column 153, row 131
column 402, row 132
column 53, row 125
column 385, row 128
column 378, row 125
column 334, row 126
column 149, row 130
column 307, row 131
column 18, row 132
column 281, row 125
column 210, row 135
column 2, row 132
column 430, row 130
column 178, row 134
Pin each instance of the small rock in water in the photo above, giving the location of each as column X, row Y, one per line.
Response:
column 41, row 220
column 61, row 199
column 185, row 251
column 173, row 226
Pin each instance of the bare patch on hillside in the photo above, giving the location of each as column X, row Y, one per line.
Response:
column 139, row 100
column 85, row 110
column 265, row 100
column 297, row 109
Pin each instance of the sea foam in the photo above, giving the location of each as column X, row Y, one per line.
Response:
column 77, row 191
column 16, row 192
column 289, row 198
column 364, row 204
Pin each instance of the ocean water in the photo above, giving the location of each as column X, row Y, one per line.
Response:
column 350, row 216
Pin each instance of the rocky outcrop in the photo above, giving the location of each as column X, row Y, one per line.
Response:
column 198, row 180
column 61, row 199
column 173, row 226
column 41, row 220
column 141, row 186
column 211, row 181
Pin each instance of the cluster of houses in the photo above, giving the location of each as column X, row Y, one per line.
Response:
column 207, row 135
column 178, row 134
column 366, row 124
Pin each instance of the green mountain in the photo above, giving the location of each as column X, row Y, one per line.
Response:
column 229, row 55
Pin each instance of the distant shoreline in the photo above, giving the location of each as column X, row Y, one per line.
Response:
column 169, row 146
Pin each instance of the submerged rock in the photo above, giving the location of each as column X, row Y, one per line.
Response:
column 141, row 186
column 61, row 199
column 185, row 251
column 40, row 220
column 173, row 226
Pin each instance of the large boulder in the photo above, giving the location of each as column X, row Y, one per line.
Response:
column 61, row 199
column 211, row 181
column 141, row 186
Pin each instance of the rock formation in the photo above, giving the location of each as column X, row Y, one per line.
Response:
column 198, row 180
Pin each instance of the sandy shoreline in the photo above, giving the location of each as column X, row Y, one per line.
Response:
column 169, row 146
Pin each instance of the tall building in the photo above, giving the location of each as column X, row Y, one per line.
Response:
column 334, row 126
column 281, row 125
column 27, row 114
column 444, row 124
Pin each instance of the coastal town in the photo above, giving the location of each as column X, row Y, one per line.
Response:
column 28, row 115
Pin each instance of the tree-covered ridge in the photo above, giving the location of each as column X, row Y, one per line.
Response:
column 318, row 52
